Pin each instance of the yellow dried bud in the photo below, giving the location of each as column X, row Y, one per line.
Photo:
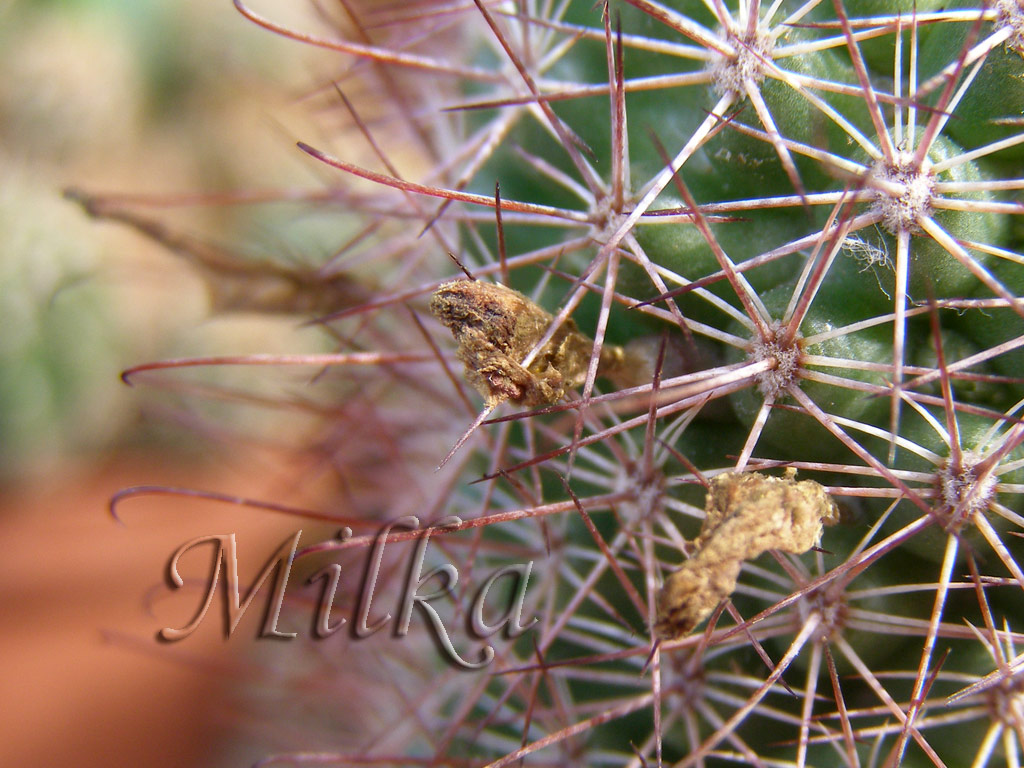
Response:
column 746, row 514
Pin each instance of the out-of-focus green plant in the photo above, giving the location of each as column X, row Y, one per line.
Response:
column 116, row 95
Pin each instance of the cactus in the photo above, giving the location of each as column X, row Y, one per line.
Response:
column 794, row 230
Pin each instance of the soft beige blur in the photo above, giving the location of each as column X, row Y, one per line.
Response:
column 81, row 301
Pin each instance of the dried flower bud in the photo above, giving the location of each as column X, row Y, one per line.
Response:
column 496, row 328
column 746, row 514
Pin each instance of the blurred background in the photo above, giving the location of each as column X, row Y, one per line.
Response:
column 150, row 97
